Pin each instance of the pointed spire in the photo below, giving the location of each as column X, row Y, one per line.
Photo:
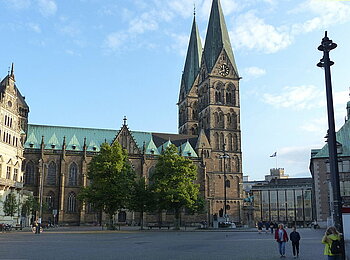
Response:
column 217, row 38
column 193, row 57
column 12, row 75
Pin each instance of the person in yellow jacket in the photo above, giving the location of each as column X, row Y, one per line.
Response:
column 331, row 235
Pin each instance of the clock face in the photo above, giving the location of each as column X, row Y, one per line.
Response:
column 224, row 70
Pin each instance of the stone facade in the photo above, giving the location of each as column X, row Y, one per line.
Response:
column 209, row 118
column 13, row 124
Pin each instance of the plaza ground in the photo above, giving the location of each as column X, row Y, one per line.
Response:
column 131, row 243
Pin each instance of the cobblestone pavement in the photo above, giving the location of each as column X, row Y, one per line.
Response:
column 130, row 243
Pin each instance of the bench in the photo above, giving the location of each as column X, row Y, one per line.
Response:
column 157, row 225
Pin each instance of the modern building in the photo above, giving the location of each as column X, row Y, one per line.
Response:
column 13, row 124
column 279, row 199
column 209, row 117
column 320, row 170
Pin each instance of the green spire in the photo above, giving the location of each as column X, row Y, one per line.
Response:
column 193, row 58
column 217, row 38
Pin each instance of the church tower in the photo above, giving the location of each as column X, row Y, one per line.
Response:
column 188, row 97
column 219, row 118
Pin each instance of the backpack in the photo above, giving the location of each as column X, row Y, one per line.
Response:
column 336, row 247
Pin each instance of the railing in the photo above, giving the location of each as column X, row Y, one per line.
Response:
column 11, row 183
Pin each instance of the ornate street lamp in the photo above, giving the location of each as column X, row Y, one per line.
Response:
column 336, row 205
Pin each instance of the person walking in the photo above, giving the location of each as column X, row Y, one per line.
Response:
column 295, row 238
column 281, row 237
column 331, row 240
column 260, row 226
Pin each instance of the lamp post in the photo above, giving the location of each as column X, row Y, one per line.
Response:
column 41, row 192
column 224, row 156
column 326, row 46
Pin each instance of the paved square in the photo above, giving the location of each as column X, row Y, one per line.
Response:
column 82, row 243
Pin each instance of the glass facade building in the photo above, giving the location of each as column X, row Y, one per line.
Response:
column 286, row 201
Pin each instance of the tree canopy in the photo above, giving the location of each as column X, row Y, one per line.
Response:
column 10, row 207
column 111, row 177
column 173, row 182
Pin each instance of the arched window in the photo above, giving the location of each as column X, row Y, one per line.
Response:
column 216, row 117
column 29, row 174
column 216, row 138
column 222, row 141
column 51, row 174
column 238, row 186
column 235, row 142
column 195, row 111
column 221, row 119
column 230, row 142
column 150, row 175
column 73, row 175
column 72, row 203
column 50, row 201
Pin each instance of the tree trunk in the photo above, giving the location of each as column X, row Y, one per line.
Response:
column 141, row 220
column 111, row 224
column 177, row 219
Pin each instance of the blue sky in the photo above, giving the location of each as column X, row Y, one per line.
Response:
column 90, row 62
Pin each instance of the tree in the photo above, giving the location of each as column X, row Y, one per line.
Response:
column 30, row 206
column 173, row 182
column 141, row 198
column 111, row 177
column 10, row 205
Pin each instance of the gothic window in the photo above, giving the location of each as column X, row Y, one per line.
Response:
column 216, row 118
column 233, row 95
column 72, row 203
column 228, row 165
column 51, row 174
column 150, row 174
column 238, row 186
column 221, row 119
column 50, row 201
column 195, row 111
column 29, row 173
column 230, row 142
column 194, row 130
column 216, row 138
column 235, row 142
column 237, row 165
column 222, row 141
column 73, row 175
column 228, row 184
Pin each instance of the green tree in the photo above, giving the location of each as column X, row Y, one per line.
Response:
column 173, row 183
column 30, row 206
column 141, row 198
column 10, row 205
column 111, row 177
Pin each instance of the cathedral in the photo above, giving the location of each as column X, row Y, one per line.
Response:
column 56, row 157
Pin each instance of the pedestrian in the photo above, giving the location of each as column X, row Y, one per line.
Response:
column 271, row 227
column 267, row 226
column 260, row 226
column 281, row 237
column 295, row 238
column 331, row 239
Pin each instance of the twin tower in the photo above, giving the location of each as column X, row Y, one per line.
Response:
column 209, row 107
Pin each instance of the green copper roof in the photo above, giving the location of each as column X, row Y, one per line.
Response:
column 342, row 137
column 193, row 58
column 217, row 38
column 74, row 138
column 164, row 146
column 151, row 148
column 187, row 150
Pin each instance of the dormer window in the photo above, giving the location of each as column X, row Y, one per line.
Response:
column 53, row 146
column 94, row 148
column 31, row 145
column 189, row 154
column 152, row 151
column 74, row 146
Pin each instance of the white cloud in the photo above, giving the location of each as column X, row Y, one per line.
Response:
column 328, row 13
column 316, row 125
column 302, row 97
column 146, row 22
column 47, row 7
column 253, row 33
column 180, row 43
column 254, row 72
column 114, row 41
column 34, row 27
